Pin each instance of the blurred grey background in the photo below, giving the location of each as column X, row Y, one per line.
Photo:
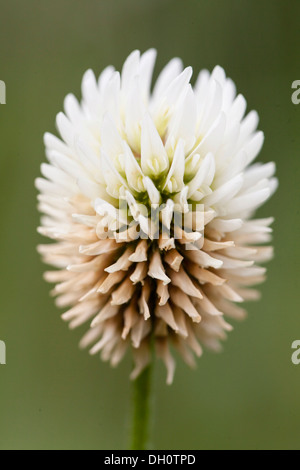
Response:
column 52, row 396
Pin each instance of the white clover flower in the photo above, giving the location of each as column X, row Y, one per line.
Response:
column 131, row 166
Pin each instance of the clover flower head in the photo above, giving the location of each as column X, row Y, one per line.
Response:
column 149, row 197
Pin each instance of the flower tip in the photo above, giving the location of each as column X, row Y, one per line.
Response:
column 47, row 137
column 219, row 74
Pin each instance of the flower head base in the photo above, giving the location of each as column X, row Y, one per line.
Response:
column 149, row 197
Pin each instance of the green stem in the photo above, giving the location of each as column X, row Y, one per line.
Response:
column 141, row 401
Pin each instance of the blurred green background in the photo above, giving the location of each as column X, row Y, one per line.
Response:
column 52, row 396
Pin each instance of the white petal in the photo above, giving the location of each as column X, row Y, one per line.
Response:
column 166, row 214
column 111, row 98
column 225, row 192
column 89, row 158
column 229, row 92
column 146, row 69
column 112, row 143
column 237, row 109
column 54, row 143
column 133, row 170
column 68, row 165
column 154, row 194
column 129, row 70
column 114, row 181
column 258, row 172
column 253, row 147
column 211, row 107
column 135, row 111
column 178, row 85
column 58, row 176
column 104, row 78
column 201, row 85
column 247, row 202
column 154, row 159
column 167, row 75
column 204, row 169
column 90, row 91
column 248, row 126
column 66, row 129
column 74, row 111
column 226, row 225
column 183, row 122
column 212, row 138
column 174, row 180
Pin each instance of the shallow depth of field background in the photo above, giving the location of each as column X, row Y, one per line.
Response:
column 53, row 396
